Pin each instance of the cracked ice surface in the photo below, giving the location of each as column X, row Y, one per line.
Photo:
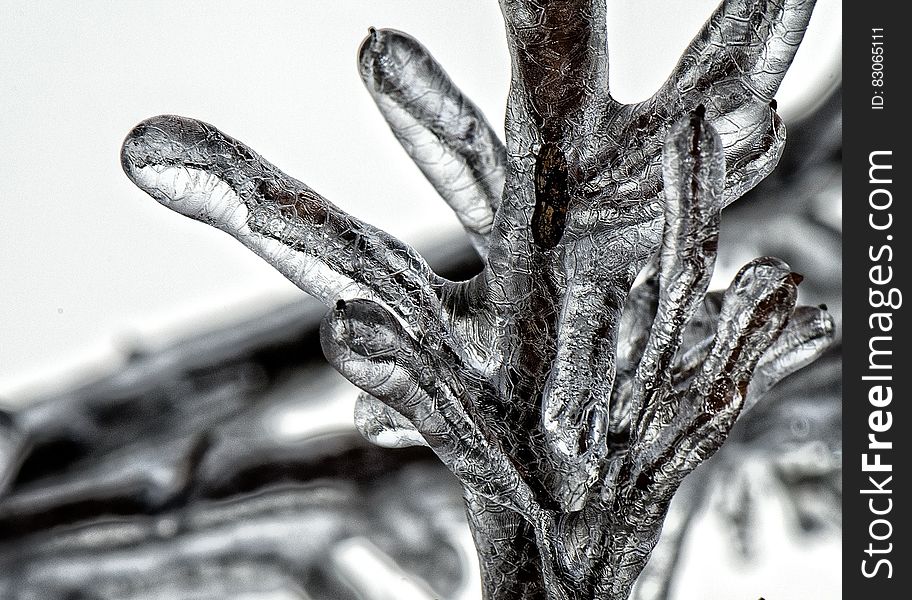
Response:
column 568, row 451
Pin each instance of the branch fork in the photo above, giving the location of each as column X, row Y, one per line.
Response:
column 564, row 399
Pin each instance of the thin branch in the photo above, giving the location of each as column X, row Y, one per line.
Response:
column 442, row 131
column 366, row 344
column 741, row 54
column 383, row 426
column 809, row 333
column 693, row 170
column 195, row 169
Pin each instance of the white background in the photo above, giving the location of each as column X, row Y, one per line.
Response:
column 90, row 266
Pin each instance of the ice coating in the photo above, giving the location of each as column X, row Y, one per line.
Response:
column 202, row 173
column 384, row 426
column 808, row 333
column 444, row 134
column 569, row 406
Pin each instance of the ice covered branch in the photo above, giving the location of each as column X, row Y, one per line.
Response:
column 568, row 405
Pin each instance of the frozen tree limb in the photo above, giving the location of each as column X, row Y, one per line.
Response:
column 568, row 425
column 383, row 426
column 754, row 311
column 639, row 312
column 369, row 347
column 694, row 170
column 202, row 173
column 746, row 44
column 734, row 67
column 441, row 130
column 808, row 333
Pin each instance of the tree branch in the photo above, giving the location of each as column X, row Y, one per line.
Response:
column 442, row 131
column 195, row 169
